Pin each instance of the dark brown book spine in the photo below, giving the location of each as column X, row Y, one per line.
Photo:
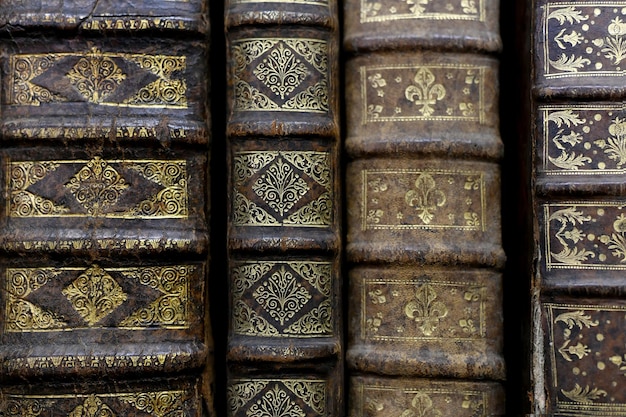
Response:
column 104, row 236
column 423, row 216
column 578, row 156
column 284, row 237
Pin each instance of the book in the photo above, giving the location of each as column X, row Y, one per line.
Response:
column 284, row 348
column 104, row 229
column 575, row 115
column 422, row 184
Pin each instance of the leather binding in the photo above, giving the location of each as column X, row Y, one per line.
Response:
column 422, row 183
column 577, row 286
column 284, row 348
column 104, row 225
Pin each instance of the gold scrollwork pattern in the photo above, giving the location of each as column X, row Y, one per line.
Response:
column 585, row 235
column 289, row 188
column 585, row 364
column 411, row 310
column 160, row 404
column 442, row 92
column 21, row 314
column 97, row 77
column 277, row 398
column 95, row 293
column 423, row 199
column 156, row 404
column 426, row 401
column 583, row 139
column 172, row 308
column 386, row 10
column 97, row 186
column 280, row 75
column 583, row 39
column 282, row 299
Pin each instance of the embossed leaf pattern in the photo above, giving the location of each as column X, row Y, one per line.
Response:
column 569, row 14
column 281, row 71
column 584, row 395
column 280, row 186
column 275, row 403
column 282, row 296
column 576, row 318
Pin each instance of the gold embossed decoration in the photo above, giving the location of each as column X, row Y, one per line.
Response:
column 410, row 310
column 164, row 403
column 171, row 309
column 385, row 10
column 277, row 398
column 583, row 139
column 586, row 366
column 427, row 92
column 288, row 188
column 582, row 39
column 94, row 295
column 282, row 299
column 423, row 199
column 92, row 407
column 160, row 298
column 585, row 235
column 97, row 77
column 23, row 314
column 426, row 310
column 280, row 75
column 405, row 399
column 99, row 188
column 159, row 404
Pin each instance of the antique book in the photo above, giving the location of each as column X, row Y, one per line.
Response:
column 576, row 116
column 104, row 237
column 422, row 185
column 284, row 348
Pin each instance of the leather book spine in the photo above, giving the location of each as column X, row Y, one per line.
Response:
column 578, row 218
column 423, row 208
column 284, row 237
column 104, row 240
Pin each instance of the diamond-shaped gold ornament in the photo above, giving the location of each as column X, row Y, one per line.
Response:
column 95, row 76
column 282, row 296
column 94, row 294
column 97, row 186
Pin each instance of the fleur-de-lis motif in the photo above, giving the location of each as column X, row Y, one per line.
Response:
column 425, row 198
column 426, row 92
column 421, row 406
column 425, row 310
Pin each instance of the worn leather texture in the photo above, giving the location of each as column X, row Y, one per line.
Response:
column 423, row 206
column 284, row 208
column 578, row 284
column 104, row 236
